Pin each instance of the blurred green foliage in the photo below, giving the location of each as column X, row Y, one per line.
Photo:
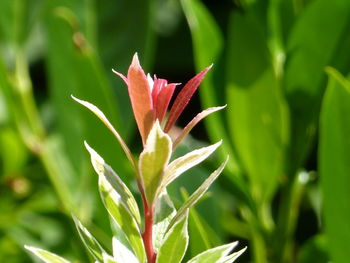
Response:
column 285, row 190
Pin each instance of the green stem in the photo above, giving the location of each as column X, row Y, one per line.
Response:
column 32, row 130
column 288, row 214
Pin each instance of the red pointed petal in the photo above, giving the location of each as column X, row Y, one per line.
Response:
column 121, row 76
column 163, row 100
column 183, row 98
column 157, row 87
column 194, row 122
column 141, row 99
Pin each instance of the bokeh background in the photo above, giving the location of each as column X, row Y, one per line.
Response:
column 281, row 67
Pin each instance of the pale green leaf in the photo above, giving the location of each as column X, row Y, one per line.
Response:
column 183, row 163
column 109, row 259
column 215, row 255
column 232, row 257
column 175, row 242
column 46, row 256
column 119, row 202
column 153, row 160
column 106, row 122
column 164, row 213
column 122, row 253
column 89, row 241
column 193, row 199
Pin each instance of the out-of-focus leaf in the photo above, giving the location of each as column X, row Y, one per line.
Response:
column 121, row 253
column 164, row 212
column 182, row 164
column 257, row 116
column 175, row 242
column 312, row 45
column 46, row 256
column 109, row 259
column 216, row 254
column 75, row 68
column 334, row 165
column 314, row 250
column 119, row 202
column 207, row 46
column 153, row 160
column 193, row 199
column 89, row 241
column 132, row 31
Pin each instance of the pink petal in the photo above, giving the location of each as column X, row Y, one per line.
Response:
column 163, row 100
column 141, row 99
column 183, row 98
column 194, row 122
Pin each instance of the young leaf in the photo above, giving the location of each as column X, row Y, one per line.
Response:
column 164, row 212
column 215, row 255
column 121, row 253
column 182, row 164
column 175, row 242
column 194, row 122
column 153, row 160
column 46, row 256
column 106, row 122
column 232, row 257
column 141, row 99
column 192, row 200
column 89, row 241
column 183, row 98
column 119, row 202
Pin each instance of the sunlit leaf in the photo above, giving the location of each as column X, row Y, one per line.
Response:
column 193, row 199
column 89, row 241
column 119, row 202
column 175, row 242
column 217, row 254
column 164, row 212
column 153, row 160
column 46, row 256
column 121, row 253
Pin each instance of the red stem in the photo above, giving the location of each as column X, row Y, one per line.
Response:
column 147, row 235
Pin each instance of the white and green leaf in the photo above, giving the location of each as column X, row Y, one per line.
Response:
column 153, row 160
column 194, row 198
column 164, row 213
column 183, row 163
column 46, row 256
column 119, row 203
column 175, row 242
column 217, row 254
column 122, row 253
column 89, row 241
column 232, row 257
column 109, row 259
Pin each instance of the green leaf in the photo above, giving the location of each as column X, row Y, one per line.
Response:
column 257, row 117
column 334, row 165
column 193, row 199
column 164, row 213
column 207, row 46
column 183, row 163
column 175, row 242
column 89, row 241
column 122, row 253
column 309, row 51
column 46, row 256
column 119, row 202
column 108, row 259
column 153, row 161
column 218, row 254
